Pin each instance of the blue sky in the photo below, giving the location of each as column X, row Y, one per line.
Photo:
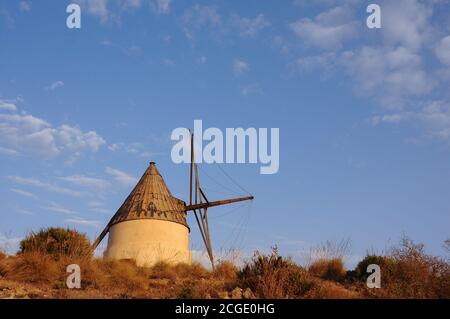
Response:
column 364, row 115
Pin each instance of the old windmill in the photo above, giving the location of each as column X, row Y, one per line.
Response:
column 151, row 226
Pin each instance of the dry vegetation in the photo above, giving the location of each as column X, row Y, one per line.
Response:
column 407, row 272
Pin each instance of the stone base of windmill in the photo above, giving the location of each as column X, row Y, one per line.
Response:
column 149, row 241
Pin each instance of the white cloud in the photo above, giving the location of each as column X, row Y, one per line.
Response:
column 406, row 23
column 96, row 8
column 132, row 148
column 74, row 139
column 250, row 27
column 8, row 151
column 442, row 51
column 25, row 6
column 240, row 67
column 392, row 66
column 86, row 181
column 98, row 207
column 162, row 6
column 133, row 4
column 202, row 60
column 23, row 211
column 9, row 244
column 53, row 86
column 9, row 106
column 24, row 132
column 23, row 193
column 434, row 116
column 168, row 62
column 43, row 185
column 200, row 18
column 328, row 30
column 84, row 222
column 325, row 62
column 121, row 177
column 251, row 89
column 116, row 147
column 54, row 207
column 393, row 75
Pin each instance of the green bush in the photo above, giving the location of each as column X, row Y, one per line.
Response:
column 57, row 242
column 361, row 269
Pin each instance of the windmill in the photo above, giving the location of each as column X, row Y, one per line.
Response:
column 151, row 226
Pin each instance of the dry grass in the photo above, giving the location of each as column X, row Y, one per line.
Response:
column 407, row 272
column 328, row 269
column 227, row 271
column 31, row 267
column 329, row 250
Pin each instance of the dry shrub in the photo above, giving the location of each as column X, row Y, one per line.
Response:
column 163, row 270
column 189, row 290
column 331, row 290
column 408, row 272
column 124, row 275
column 226, row 271
column 57, row 242
column 31, row 267
column 2, row 255
column 329, row 269
column 178, row 271
column 190, row 271
column 271, row 276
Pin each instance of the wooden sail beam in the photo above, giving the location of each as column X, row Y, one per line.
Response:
column 217, row 203
column 100, row 238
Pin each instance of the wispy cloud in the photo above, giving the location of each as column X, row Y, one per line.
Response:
column 53, row 86
column 25, row 6
column 86, row 181
column 44, row 186
column 199, row 18
column 24, row 211
column 9, row 244
column 8, row 151
column 84, row 222
column 249, row 27
column 168, row 62
column 6, row 105
column 251, row 89
column 23, row 193
column 54, row 207
column 162, row 6
column 97, row 8
column 240, row 67
column 121, row 177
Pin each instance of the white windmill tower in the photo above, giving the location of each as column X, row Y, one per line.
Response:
column 151, row 226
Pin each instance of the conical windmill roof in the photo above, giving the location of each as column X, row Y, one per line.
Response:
column 151, row 199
